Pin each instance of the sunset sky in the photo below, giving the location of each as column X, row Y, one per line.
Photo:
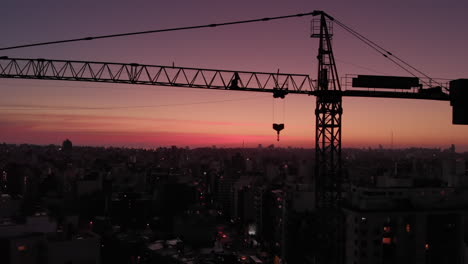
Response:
column 431, row 35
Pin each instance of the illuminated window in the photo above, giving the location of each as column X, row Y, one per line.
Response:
column 22, row 248
column 252, row 230
column 408, row 228
column 426, row 246
column 387, row 240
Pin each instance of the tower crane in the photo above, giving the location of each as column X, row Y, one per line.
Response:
column 326, row 88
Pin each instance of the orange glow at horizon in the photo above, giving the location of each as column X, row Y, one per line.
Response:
column 103, row 130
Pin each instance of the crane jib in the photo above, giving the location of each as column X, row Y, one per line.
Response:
column 133, row 73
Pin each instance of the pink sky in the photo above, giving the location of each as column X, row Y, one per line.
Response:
column 427, row 36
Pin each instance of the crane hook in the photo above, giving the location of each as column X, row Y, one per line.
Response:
column 278, row 128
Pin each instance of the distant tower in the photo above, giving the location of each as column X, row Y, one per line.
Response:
column 452, row 148
column 67, row 145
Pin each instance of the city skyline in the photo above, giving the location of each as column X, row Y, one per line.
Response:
column 44, row 112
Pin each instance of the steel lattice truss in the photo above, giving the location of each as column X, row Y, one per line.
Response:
column 328, row 176
column 133, row 73
column 328, row 153
column 328, row 113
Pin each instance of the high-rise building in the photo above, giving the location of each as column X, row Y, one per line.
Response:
column 274, row 226
column 67, row 145
column 404, row 225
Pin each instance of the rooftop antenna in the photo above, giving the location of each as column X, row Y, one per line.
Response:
column 391, row 140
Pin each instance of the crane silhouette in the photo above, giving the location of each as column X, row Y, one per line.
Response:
column 326, row 88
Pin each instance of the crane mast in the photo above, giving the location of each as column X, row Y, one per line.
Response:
column 328, row 177
column 328, row 113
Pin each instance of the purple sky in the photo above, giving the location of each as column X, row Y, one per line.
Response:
column 430, row 35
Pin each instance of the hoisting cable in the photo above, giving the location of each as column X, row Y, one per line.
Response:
column 376, row 48
column 278, row 127
column 387, row 54
column 157, row 31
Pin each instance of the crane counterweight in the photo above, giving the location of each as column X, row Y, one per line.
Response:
column 459, row 101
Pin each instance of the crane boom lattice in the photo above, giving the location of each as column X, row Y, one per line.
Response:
column 132, row 73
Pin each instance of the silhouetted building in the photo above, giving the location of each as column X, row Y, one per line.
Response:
column 67, row 145
column 9, row 206
column 15, row 179
column 82, row 248
column 405, row 225
column 25, row 248
column 225, row 194
column 244, row 209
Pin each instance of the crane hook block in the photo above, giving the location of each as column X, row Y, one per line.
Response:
column 278, row 128
column 279, row 93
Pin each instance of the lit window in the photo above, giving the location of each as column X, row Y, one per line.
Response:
column 387, row 240
column 408, row 228
column 252, row 230
column 21, row 248
column 426, row 246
